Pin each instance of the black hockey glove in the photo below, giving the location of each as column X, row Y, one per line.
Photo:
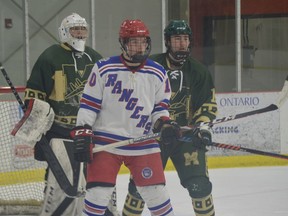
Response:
column 83, row 145
column 204, row 136
column 170, row 130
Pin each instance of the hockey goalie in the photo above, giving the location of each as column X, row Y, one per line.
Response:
column 58, row 78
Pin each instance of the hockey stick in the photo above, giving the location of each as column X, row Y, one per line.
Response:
column 253, row 151
column 51, row 159
column 189, row 139
column 14, row 91
column 280, row 101
column 239, row 148
column 126, row 142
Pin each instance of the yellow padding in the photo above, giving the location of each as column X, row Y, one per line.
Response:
column 10, row 178
column 232, row 161
column 21, row 177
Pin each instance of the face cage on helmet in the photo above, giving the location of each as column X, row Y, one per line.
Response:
column 178, row 57
column 137, row 58
column 66, row 37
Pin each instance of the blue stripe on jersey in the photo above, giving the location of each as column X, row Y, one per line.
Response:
column 163, row 105
column 92, row 99
column 90, row 103
column 112, row 68
column 84, row 106
column 154, row 68
column 114, row 137
column 114, row 63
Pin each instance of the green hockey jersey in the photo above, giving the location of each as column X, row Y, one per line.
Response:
column 193, row 92
column 58, row 77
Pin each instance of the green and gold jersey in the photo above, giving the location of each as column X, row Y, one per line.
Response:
column 58, row 77
column 193, row 92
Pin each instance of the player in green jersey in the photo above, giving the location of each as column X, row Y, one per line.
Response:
column 192, row 101
column 58, row 77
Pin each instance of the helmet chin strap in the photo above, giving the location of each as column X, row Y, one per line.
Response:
column 177, row 59
column 128, row 59
column 136, row 58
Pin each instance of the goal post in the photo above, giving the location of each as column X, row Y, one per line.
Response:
column 21, row 176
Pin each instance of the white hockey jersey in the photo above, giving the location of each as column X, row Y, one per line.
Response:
column 122, row 104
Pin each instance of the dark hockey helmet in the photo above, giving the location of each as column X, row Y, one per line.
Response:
column 130, row 29
column 177, row 27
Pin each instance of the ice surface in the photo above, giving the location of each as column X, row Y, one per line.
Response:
column 257, row 191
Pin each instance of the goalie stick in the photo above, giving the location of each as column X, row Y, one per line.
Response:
column 280, row 101
column 54, row 165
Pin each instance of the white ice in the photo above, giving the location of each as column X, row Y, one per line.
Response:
column 257, row 191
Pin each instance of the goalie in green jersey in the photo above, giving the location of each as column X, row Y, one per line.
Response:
column 192, row 102
column 58, row 77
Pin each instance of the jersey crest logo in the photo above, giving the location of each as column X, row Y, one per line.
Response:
column 147, row 173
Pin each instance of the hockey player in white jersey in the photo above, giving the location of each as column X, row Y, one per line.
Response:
column 126, row 96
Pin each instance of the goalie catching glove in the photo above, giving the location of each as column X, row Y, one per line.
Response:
column 170, row 130
column 36, row 121
column 83, row 145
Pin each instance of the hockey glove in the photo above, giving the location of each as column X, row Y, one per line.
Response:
column 205, row 136
column 83, row 145
column 170, row 130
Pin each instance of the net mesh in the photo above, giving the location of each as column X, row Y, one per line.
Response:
column 21, row 177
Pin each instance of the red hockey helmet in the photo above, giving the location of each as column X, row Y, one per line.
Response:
column 130, row 29
column 133, row 28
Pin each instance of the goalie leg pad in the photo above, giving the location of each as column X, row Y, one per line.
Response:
column 112, row 205
column 36, row 121
column 55, row 201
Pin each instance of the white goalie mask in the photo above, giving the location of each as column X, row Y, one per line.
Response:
column 74, row 31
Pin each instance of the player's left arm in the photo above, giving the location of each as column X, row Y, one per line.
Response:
column 91, row 100
column 162, row 99
column 205, row 109
column 204, row 105
column 170, row 130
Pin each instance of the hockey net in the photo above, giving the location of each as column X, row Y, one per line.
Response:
column 21, row 177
